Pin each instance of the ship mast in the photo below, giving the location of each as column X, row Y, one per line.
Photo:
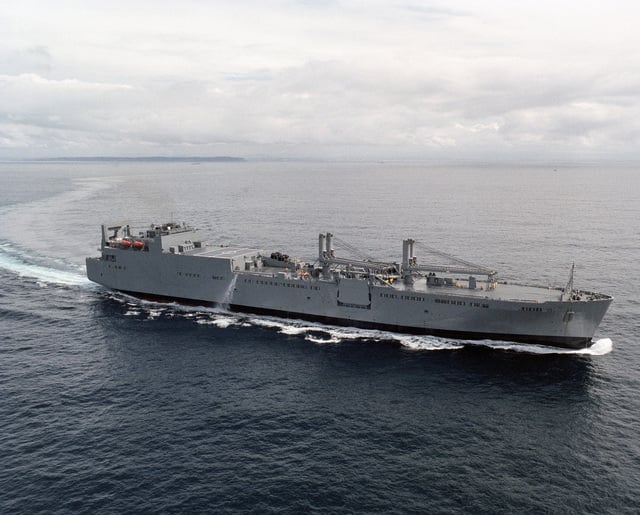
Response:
column 409, row 267
column 568, row 291
column 326, row 258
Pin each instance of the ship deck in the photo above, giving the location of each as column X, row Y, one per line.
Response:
column 503, row 291
column 224, row 252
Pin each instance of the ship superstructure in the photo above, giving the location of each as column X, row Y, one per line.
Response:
column 452, row 298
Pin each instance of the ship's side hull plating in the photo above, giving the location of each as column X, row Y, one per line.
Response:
column 568, row 342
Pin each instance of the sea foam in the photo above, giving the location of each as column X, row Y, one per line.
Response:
column 22, row 264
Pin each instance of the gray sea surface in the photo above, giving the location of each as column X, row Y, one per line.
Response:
column 110, row 404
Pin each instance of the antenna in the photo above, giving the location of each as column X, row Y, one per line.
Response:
column 569, row 288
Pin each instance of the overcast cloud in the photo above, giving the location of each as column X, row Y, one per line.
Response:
column 450, row 80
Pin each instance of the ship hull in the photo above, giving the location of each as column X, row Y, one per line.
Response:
column 567, row 342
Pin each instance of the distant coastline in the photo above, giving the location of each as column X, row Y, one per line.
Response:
column 154, row 159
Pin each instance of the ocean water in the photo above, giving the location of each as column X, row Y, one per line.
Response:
column 110, row 404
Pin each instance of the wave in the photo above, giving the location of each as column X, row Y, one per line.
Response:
column 55, row 226
column 29, row 247
column 598, row 348
column 327, row 334
column 43, row 270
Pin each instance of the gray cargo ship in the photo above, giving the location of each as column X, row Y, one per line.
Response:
column 173, row 263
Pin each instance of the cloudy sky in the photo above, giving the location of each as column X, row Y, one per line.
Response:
column 409, row 79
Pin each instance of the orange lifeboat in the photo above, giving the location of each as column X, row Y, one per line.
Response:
column 137, row 244
column 125, row 243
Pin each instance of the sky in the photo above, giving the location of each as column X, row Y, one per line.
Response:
column 457, row 80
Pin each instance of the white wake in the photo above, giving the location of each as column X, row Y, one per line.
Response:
column 22, row 264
